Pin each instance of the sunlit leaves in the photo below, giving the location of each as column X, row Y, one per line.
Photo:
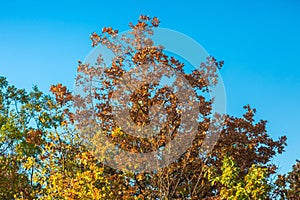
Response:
column 252, row 186
column 42, row 155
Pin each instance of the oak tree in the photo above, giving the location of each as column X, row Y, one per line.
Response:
column 44, row 139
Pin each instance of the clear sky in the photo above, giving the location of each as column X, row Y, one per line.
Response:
column 41, row 41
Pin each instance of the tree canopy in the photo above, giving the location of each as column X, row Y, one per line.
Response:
column 43, row 154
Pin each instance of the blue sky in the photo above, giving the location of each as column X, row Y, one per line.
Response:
column 40, row 43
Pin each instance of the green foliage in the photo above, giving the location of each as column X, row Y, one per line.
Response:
column 42, row 156
column 253, row 185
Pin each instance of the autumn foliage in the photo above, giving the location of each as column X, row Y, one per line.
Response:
column 42, row 155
